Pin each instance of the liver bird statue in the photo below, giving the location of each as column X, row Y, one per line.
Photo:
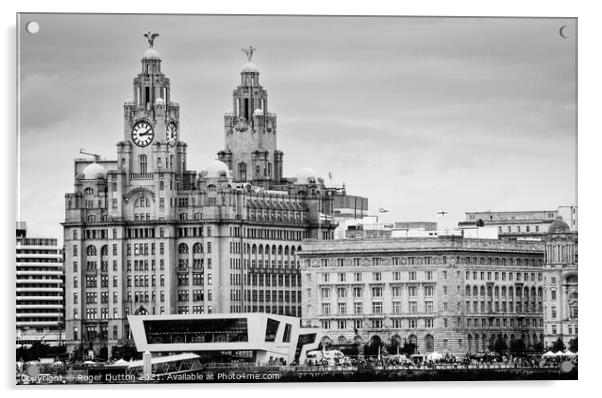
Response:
column 151, row 38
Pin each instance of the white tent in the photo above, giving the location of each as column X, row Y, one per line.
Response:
column 569, row 353
column 120, row 362
column 434, row 356
column 548, row 354
column 89, row 363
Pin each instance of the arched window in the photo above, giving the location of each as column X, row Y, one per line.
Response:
column 171, row 157
column 91, row 251
column 197, row 248
column 183, row 248
column 269, row 169
column 161, row 185
column 104, row 251
column 88, row 191
column 142, row 160
column 467, row 290
column 429, row 343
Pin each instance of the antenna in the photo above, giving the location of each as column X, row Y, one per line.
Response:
column 95, row 155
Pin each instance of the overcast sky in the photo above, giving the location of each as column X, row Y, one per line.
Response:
column 418, row 114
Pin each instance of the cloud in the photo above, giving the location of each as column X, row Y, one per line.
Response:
column 418, row 114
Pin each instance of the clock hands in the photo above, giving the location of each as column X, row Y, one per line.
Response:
column 145, row 132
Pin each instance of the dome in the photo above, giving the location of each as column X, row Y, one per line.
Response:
column 151, row 53
column 306, row 176
column 217, row 169
column 558, row 226
column 93, row 171
column 249, row 67
column 160, row 101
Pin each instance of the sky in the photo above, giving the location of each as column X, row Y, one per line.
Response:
column 420, row 115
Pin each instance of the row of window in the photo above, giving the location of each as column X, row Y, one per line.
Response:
column 377, row 276
column 524, row 276
column 428, row 260
column 376, row 291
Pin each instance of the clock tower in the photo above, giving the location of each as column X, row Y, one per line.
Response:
column 250, row 132
column 151, row 122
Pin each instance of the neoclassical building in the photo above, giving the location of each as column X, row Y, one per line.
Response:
column 145, row 235
column 441, row 294
column 560, row 283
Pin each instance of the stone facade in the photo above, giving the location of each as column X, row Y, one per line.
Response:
column 250, row 134
column 145, row 235
column 561, row 284
column 443, row 294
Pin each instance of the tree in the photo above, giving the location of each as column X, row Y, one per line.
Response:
column 517, row 346
column 573, row 345
column 500, row 345
column 558, row 345
column 538, row 346
column 126, row 352
column 408, row 349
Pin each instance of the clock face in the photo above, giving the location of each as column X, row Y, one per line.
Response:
column 171, row 134
column 142, row 133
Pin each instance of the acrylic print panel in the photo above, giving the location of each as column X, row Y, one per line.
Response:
column 345, row 199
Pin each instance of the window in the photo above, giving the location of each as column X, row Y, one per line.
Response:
column 376, row 276
column 357, row 292
column 412, row 275
column 143, row 163
column 413, row 305
column 377, row 308
column 377, row 292
column 325, row 308
column 428, row 306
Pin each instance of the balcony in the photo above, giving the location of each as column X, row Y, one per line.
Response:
column 141, row 176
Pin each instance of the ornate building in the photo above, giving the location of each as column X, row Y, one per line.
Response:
column 442, row 294
column 145, row 235
column 251, row 152
column 560, row 283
